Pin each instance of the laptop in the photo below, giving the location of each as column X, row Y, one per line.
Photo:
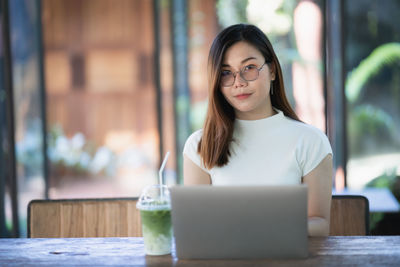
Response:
column 239, row 222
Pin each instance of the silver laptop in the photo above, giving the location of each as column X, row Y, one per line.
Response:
column 240, row 222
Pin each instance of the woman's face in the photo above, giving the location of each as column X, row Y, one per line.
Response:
column 250, row 99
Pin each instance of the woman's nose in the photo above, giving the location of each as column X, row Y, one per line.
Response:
column 239, row 81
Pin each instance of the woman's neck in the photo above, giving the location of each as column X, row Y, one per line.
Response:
column 267, row 112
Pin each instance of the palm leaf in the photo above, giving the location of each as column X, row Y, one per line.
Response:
column 383, row 55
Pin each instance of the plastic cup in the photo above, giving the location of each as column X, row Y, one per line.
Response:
column 155, row 212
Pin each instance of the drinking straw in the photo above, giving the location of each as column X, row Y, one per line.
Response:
column 161, row 170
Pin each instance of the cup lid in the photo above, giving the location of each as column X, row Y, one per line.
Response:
column 154, row 197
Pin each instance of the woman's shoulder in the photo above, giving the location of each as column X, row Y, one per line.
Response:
column 303, row 129
column 312, row 145
column 195, row 136
column 308, row 137
column 191, row 148
column 192, row 142
column 295, row 127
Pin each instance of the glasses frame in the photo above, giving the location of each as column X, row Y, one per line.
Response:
column 241, row 75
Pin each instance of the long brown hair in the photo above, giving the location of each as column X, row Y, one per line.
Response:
column 219, row 124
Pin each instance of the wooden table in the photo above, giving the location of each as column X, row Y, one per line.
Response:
column 329, row 251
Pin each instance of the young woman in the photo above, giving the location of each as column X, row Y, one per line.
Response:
column 251, row 135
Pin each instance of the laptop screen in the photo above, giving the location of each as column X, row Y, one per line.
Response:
column 211, row 222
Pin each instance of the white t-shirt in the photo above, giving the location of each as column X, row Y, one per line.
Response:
column 273, row 151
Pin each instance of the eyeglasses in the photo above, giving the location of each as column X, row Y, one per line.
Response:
column 248, row 73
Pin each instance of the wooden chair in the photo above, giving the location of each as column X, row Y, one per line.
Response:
column 349, row 215
column 114, row 217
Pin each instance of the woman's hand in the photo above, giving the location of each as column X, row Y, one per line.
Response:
column 319, row 182
column 193, row 174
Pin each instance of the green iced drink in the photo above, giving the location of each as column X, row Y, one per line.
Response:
column 157, row 231
column 155, row 213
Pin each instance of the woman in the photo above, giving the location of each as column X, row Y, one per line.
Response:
column 251, row 135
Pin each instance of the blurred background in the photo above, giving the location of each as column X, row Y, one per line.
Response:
column 93, row 93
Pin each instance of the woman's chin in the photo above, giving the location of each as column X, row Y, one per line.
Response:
column 244, row 108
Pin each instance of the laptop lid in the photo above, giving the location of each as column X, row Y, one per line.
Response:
column 232, row 222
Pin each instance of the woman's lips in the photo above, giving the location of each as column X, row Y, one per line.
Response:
column 242, row 96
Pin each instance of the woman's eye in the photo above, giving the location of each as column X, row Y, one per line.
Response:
column 226, row 73
column 249, row 67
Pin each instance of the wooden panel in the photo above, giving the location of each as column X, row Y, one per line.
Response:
column 84, row 218
column 71, row 215
column 144, row 31
column 47, row 213
column 106, row 21
column 94, row 219
column 110, row 70
column 58, row 73
column 202, row 31
column 349, row 215
column 62, row 23
column 118, row 225
column 54, row 19
column 133, row 219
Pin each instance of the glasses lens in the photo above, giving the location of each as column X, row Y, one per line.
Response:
column 250, row 73
column 227, row 78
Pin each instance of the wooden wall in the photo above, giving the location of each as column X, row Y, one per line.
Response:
column 203, row 27
column 99, row 67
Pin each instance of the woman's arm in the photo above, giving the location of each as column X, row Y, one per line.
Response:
column 193, row 174
column 319, row 182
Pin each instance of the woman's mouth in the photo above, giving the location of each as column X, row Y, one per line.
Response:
column 242, row 96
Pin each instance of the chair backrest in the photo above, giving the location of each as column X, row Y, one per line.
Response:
column 114, row 217
column 349, row 215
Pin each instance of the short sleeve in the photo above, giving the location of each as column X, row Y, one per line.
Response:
column 190, row 149
column 313, row 147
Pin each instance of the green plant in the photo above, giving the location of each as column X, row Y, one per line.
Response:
column 389, row 180
column 385, row 180
column 76, row 155
column 29, row 149
column 371, row 129
column 381, row 56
